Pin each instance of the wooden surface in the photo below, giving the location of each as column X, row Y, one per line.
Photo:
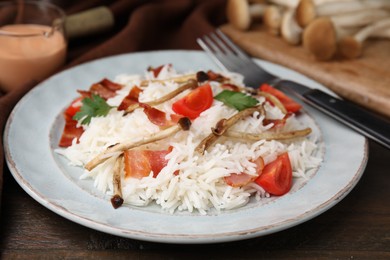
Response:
column 365, row 81
column 358, row 227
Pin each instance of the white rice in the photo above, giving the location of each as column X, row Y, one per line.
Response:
column 200, row 186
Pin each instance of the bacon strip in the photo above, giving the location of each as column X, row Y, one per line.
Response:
column 70, row 132
column 131, row 99
column 104, row 88
column 139, row 163
column 117, row 199
column 159, row 117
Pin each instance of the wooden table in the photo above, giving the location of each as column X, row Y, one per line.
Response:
column 358, row 227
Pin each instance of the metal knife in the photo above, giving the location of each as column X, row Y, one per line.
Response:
column 361, row 120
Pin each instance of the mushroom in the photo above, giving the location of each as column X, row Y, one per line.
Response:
column 351, row 46
column 359, row 18
column 290, row 30
column 285, row 3
column 223, row 125
column 294, row 3
column 321, row 37
column 240, row 13
column 274, row 100
column 192, row 83
column 307, row 10
column 272, row 19
column 117, row 199
column 117, row 149
column 382, row 34
column 269, row 135
column 179, row 80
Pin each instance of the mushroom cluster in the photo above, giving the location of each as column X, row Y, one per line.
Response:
column 325, row 28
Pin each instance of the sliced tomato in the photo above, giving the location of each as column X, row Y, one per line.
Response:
column 195, row 102
column 74, row 107
column 276, row 177
column 139, row 163
column 289, row 104
column 242, row 179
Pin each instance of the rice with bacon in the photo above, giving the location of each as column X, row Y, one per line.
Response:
column 200, row 184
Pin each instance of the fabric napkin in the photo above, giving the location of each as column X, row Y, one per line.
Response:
column 140, row 25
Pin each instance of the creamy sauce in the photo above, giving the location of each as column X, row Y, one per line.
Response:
column 29, row 58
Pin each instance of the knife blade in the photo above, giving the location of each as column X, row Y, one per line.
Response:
column 361, row 120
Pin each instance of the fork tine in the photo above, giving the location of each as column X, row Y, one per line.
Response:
column 230, row 57
column 218, row 51
column 210, row 48
column 241, row 59
column 207, row 49
column 232, row 45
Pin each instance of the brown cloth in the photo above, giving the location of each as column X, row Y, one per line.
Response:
column 140, row 25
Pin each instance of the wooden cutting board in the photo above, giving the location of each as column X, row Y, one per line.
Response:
column 365, row 81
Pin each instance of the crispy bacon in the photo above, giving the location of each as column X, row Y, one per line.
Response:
column 156, row 71
column 242, row 179
column 159, row 117
column 70, row 132
column 130, row 99
column 110, row 85
column 231, row 87
column 104, row 88
column 102, row 91
column 139, row 163
column 215, row 76
column 239, row 180
column 202, row 76
column 278, row 123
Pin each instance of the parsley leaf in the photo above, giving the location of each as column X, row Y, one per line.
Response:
column 237, row 100
column 92, row 107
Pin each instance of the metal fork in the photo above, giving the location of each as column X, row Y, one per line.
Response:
column 230, row 57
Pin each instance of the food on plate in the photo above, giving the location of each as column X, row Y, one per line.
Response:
column 187, row 142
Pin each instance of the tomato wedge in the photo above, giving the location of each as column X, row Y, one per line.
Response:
column 195, row 102
column 242, row 179
column 139, row 163
column 276, row 177
column 289, row 104
column 74, row 107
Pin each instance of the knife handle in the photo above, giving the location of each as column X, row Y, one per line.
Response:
column 361, row 120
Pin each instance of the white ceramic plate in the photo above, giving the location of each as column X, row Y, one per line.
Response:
column 35, row 125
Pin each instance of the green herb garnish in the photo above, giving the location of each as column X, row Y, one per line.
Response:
column 92, row 107
column 237, row 100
